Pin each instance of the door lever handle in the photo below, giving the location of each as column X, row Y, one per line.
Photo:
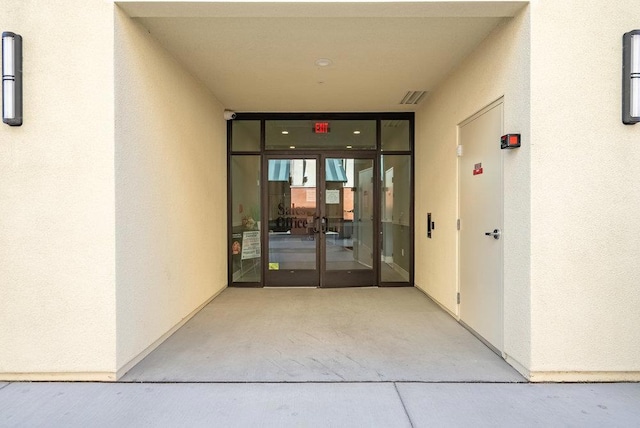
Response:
column 496, row 233
column 325, row 224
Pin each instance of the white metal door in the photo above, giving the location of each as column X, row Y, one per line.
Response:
column 481, row 202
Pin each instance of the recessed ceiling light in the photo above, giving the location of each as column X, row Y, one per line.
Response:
column 356, row 132
column 323, row 62
column 349, row 147
column 285, row 132
column 292, row 147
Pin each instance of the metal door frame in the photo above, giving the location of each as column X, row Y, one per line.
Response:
column 376, row 154
column 321, row 276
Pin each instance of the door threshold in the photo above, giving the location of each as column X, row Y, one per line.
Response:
column 319, row 288
column 290, row 286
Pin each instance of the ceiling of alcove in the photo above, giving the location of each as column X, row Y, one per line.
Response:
column 261, row 56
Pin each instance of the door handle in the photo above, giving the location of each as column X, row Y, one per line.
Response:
column 315, row 225
column 496, row 233
column 325, row 224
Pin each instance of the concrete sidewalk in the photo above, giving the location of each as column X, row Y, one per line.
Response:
column 375, row 404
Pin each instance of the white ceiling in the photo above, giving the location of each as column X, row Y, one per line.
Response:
column 260, row 57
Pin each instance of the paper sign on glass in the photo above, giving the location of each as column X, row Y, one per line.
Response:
column 333, row 196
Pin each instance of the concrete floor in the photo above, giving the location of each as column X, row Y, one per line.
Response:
column 302, row 340
column 322, row 335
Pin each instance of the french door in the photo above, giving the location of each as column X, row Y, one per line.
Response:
column 321, row 220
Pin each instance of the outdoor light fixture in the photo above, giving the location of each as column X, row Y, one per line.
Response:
column 11, row 79
column 510, row 141
column 631, row 77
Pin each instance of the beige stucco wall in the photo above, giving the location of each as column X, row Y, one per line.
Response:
column 171, row 197
column 103, row 176
column 57, row 235
column 584, row 197
column 571, row 306
column 81, row 199
column 499, row 67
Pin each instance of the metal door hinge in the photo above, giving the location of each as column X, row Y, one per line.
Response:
column 459, row 150
column 458, row 224
column 458, row 298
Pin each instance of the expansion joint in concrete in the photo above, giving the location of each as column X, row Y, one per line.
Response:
column 404, row 406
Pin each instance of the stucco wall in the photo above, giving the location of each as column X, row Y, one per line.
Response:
column 57, row 257
column 170, row 191
column 571, row 293
column 499, row 67
column 585, row 198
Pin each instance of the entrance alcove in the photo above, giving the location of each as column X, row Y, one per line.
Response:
column 233, row 52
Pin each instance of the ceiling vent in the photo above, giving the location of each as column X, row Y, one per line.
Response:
column 413, row 97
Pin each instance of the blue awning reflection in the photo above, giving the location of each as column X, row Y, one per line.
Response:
column 279, row 169
column 335, row 170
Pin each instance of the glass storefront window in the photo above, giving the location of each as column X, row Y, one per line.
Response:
column 326, row 221
column 395, row 135
column 245, row 136
column 320, row 134
column 395, row 212
column 245, row 243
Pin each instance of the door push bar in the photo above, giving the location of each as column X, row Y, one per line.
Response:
column 323, row 225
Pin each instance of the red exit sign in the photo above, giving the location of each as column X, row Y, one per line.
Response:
column 321, row 128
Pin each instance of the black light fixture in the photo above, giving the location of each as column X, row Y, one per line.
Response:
column 631, row 77
column 510, row 141
column 11, row 78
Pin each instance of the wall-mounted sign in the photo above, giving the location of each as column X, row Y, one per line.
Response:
column 311, row 195
column 321, row 128
column 477, row 169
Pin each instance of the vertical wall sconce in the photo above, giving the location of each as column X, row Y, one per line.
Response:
column 11, row 79
column 631, row 77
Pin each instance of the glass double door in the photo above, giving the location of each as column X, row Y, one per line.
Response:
column 321, row 221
